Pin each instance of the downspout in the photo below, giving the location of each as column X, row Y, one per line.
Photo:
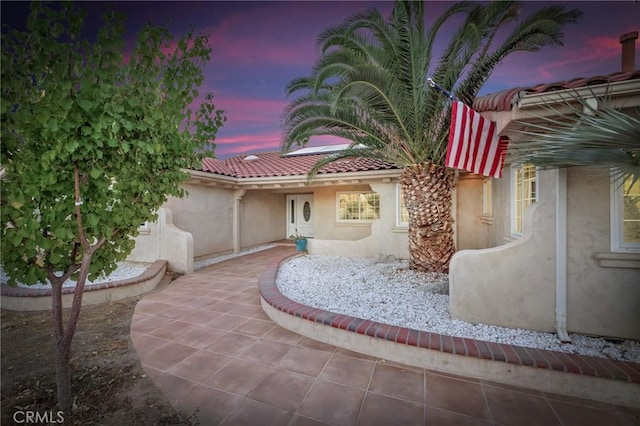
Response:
column 561, row 255
column 237, row 197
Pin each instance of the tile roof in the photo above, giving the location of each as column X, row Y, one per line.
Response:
column 502, row 101
column 271, row 164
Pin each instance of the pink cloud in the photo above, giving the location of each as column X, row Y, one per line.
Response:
column 251, row 111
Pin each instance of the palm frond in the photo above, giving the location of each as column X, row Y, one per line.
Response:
column 602, row 137
column 369, row 83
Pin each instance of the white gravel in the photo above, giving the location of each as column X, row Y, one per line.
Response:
column 133, row 269
column 389, row 292
column 124, row 270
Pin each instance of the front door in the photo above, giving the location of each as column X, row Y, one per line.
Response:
column 300, row 215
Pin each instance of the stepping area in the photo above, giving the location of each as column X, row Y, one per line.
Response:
column 208, row 346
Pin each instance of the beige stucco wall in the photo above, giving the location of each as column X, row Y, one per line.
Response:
column 206, row 213
column 472, row 232
column 163, row 240
column 513, row 284
column 382, row 237
column 262, row 218
column 601, row 300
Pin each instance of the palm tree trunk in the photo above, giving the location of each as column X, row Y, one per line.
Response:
column 427, row 197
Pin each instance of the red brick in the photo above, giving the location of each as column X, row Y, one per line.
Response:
column 613, row 371
column 539, row 358
column 496, row 352
column 424, row 340
column 353, row 325
column 554, row 361
column 403, row 333
column 382, row 331
column 525, row 359
column 362, row 328
column 569, row 364
column 345, row 322
column 511, row 354
column 458, row 346
column 392, row 333
column 628, row 367
column 412, row 339
column 472, row 348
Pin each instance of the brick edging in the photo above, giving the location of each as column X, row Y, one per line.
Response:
column 625, row 371
column 150, row 272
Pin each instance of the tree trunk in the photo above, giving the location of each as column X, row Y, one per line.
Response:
column 64, row 336
column 62, row 349
column 63, row 376
column 427, row 197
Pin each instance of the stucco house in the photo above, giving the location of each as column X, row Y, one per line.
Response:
column 537, row 249
column 570, row 261
column 350, row 207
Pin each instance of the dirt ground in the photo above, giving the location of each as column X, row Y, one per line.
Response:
column 108, row 383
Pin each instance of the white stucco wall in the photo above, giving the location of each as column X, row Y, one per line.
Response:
column 262, row 218
column 514, row 284
column 471, row 231
column 382, row 238
column 163, row 240
column 206, row 213
column 601, row 300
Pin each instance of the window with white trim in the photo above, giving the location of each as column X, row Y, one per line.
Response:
column 625, row 215
column 402, row 214
column 524, row 192
column 358, row 206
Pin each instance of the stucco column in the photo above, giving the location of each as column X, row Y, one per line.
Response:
column 237, row 197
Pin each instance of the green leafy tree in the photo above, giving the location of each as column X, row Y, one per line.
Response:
column 93, row 142
column 369, row 86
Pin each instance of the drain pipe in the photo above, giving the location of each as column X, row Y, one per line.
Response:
column 561, row 255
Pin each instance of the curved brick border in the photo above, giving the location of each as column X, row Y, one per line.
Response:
column 549, row 360
column 31, row 299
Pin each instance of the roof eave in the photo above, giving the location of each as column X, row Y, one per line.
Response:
column 294, row 181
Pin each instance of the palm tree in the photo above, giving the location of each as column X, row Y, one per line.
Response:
column 369, row 85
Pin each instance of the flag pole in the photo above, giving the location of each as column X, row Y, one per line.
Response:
column 441, row 89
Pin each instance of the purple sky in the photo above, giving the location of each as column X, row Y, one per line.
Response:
column 258, row 47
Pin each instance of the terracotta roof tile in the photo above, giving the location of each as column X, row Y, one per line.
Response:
column 272, row 164
column 503, row 101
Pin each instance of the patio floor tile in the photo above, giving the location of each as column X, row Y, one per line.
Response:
column 348, row 371
column 209, row 347
column 332, row 403
column 249, row 411
column 231, row 344
column 238, row 377
column 457, row 395
column 440, row 417
column 200, row 337
column 304, row 361
column 282, row 389
column 398, row 382
column 521, row 409
column 267, row 353
column 167, row 356
column 200, row 366
column 210, row 406
column 384, row 410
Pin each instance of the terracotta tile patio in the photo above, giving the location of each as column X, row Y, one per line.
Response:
column 208, row 346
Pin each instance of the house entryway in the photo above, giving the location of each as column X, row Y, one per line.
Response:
column 300, row 215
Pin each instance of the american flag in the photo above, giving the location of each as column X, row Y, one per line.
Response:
column 474, row 144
